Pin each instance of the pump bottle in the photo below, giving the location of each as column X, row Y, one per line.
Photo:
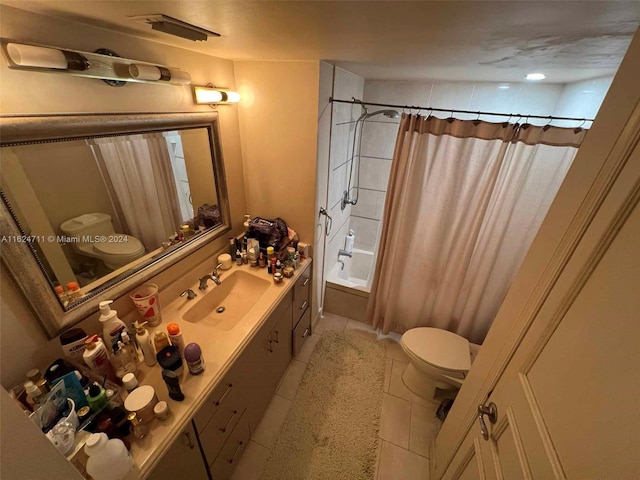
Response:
column 145, row 343
column 112, row 326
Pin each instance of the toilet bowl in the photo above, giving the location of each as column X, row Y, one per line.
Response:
column 117, row 249
column 438, row 359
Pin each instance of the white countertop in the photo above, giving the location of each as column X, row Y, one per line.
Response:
column 219, row 350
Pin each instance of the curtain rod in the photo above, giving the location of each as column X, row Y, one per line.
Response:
column 355, row 101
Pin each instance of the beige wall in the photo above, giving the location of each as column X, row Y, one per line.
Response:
column 198, row 160
column 70, row 168
column 23, row 345
column 278, row 124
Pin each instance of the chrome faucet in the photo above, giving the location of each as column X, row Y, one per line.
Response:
column 189, row 293
column 344, row 253
column 203, row 282
column 215, row 275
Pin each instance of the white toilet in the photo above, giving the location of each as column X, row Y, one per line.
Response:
column 438, row 359
column 114, row 254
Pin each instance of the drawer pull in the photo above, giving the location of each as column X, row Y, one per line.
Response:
column 306, row 332
column 306, row 282
column 186, row 436
column 240, row 443
column 233, row 414
column 224, row 395
column 270, row 346
column 304, row 305
column 276, row 333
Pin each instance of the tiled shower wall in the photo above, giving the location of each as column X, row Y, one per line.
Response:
column 581, row 99
column 345, row 86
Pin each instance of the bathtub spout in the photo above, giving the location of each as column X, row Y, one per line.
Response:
column 344, row 253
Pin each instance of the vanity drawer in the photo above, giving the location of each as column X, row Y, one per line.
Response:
column 218, row 430
column 281, row 309
column 222, row 395
column 301, row 296
column 223, row 466
column 302, row 331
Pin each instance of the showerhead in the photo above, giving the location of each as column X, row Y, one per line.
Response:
column 386, row 113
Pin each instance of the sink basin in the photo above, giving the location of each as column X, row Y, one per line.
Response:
column 224, row 305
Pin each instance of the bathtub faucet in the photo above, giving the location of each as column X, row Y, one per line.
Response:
column 344, row 253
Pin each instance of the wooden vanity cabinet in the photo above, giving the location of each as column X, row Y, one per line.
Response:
column 232, row 411
column 267, row 357
column 301, row 319
column 230, row 454
column 183, row 460
column 224, row 423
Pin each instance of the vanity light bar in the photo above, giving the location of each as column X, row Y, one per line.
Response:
column 206, row 95
column 92, row 65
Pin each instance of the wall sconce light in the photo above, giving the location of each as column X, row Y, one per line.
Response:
column 209, row 95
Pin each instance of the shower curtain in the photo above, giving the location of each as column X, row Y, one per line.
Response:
column 139, row 178
column 464, row 202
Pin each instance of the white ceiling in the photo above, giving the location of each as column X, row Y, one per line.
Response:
column 445, row 40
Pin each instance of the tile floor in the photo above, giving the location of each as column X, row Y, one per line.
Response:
column 407, row 424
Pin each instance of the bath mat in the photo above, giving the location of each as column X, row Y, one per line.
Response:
column 331, row 431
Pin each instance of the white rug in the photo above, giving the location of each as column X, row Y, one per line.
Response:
column 331, row 431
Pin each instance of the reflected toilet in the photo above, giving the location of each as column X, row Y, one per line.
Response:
column 89, row 227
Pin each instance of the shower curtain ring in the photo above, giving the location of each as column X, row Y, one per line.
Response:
column 476, row 122
column 578, row 129
column 451, row 119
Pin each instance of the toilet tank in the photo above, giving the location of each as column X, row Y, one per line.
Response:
column 88, row 224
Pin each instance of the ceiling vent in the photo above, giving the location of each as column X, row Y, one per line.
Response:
column 173, row 26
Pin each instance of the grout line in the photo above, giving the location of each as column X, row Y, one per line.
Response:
column 342, row 164
column 258, row 443
column 365, row 218
column 376, row 158
column 394, row 444
column 410, row 421
column 373, row 190
column 400, row 446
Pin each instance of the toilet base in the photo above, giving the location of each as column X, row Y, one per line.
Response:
column 418, row 382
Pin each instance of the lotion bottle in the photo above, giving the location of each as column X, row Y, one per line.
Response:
column 144, row 342
column 112, row 326
column 175, row 335
column 96, row 357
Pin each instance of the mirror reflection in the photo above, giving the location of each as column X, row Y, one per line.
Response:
column 97, row 209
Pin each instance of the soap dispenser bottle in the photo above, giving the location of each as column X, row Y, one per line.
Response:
column 144, row 342
column 112, row 326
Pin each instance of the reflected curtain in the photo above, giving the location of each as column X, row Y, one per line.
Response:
column 464, row 202
column 138, row 174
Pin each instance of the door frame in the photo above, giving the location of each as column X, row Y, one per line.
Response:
column 598, row 164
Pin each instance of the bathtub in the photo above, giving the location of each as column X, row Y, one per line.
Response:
column 357, row 272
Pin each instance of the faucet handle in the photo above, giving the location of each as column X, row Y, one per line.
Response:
column 215, row 270
column 189, row 293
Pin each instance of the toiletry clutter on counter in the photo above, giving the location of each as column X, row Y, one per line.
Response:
column 266, row 243
column 98, row 387
column 95, row 389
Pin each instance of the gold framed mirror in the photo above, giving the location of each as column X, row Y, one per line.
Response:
column 94, row 205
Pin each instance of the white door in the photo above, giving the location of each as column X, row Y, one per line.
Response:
column 568, row 404
column 562, row 362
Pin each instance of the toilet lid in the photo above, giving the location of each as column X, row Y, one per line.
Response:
column 131, row 247
column 440, row 348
